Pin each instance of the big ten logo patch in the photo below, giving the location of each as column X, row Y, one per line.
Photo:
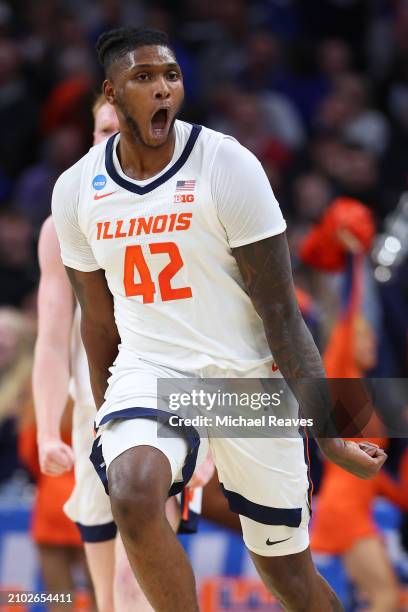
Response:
column 183, row 198
column 236, row 594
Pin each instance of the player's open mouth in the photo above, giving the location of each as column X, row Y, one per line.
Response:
column 159, row 120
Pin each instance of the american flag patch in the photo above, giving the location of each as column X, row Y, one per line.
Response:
column 185, row 185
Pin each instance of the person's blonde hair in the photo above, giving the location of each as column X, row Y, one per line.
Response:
column 15, row 379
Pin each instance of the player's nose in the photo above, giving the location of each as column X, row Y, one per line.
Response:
column 162, row 89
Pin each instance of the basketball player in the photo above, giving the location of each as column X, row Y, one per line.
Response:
column 201, row 286
column 58, row 344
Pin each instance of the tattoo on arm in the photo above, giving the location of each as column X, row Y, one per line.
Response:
column 266, row 270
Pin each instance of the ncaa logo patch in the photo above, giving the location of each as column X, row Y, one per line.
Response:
column 99, row 182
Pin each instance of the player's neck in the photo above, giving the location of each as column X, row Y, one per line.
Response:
column 140, row 162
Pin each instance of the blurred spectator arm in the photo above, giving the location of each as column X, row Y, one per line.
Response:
column 51, row 370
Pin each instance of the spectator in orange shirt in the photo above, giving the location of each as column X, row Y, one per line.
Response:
column 343, row 523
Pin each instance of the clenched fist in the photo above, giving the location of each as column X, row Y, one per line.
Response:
column 56, row 457
column 363, row 459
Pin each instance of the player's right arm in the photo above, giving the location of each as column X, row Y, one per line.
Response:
column 255, row 230
column 51, row 361
column 98, row 327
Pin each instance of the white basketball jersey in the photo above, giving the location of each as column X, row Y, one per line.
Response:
column 166, row 247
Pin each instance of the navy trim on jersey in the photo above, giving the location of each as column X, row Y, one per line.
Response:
column 307, row 462
column 129, row 185
column 291, row 517
column 188, row 524
column 97, row 533
column 190, row 433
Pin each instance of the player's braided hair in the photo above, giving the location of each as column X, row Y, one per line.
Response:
column 114, row 44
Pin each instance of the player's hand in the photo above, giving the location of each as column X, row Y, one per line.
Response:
column 363, row 459
column 56, row 457
column 203, row 473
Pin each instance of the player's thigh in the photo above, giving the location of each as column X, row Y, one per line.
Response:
column 122, row 435
column 266, row 483
column 100, row 557
column 368, row 565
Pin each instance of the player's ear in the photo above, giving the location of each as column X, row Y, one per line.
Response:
column 109, row 91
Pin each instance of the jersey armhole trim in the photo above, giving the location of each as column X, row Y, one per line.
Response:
column 268, row 234
column 69, row 263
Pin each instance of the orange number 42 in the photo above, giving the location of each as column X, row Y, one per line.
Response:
column 134, row 259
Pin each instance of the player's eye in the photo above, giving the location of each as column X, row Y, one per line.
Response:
column 173, row 75
column 142, row 76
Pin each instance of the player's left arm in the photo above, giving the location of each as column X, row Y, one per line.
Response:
column 255, row 230
column 266, row 270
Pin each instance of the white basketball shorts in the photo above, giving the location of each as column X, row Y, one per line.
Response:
column 264, row 479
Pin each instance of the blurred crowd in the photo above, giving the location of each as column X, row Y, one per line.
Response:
column 317, row 90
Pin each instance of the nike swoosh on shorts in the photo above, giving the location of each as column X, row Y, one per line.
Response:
column 268, row 543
